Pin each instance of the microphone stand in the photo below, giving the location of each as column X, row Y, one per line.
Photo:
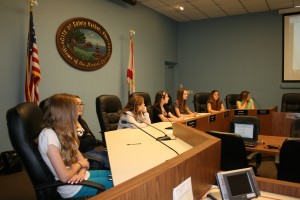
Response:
column 126, row 122
column 166, row 137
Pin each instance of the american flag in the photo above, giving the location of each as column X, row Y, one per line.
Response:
column 33, row 73
column 130, row 69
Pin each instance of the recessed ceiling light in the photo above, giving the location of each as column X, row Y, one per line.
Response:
column 181, row 8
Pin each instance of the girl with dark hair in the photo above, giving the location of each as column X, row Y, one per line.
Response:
column 181, row 109
column 214, row 103
column 160, row 109
column 89, row 145
column 134, row 114
column 244, row 101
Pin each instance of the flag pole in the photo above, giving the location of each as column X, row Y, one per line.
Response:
column 33, row 73
column 130, row 67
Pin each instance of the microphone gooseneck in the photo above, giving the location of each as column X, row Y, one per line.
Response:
column 256, row 103
column 165, row 137
column 170, row 127
column 126, row 122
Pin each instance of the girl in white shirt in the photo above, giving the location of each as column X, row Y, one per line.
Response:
column 58, row 145
column 134, row 114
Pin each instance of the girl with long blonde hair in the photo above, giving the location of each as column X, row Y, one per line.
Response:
column 58, row 145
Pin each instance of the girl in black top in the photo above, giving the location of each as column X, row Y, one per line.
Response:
column 160, row 109
column 88, row 142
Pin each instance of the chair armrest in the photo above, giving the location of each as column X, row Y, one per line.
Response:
column 251, row 155
column 258, row 159
column 99, row 187
column 98, row 164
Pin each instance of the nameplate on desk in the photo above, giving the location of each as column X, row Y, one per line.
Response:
column 262, row 112
column 240, row 112
column 212, row 118
column 191, row 123
column 226, row 114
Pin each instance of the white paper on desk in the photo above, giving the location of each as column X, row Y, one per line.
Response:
column 184, row 190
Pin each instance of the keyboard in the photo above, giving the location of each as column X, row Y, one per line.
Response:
column 250, row 143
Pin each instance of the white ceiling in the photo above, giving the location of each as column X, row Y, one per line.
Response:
column 206, row 9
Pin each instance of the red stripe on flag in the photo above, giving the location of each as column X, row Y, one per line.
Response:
column 33, row 73
column 130, row 70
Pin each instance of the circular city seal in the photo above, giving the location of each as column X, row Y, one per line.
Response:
column 83, row 43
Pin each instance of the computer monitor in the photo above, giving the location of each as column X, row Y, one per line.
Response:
column 238, row 184
column 245, row 130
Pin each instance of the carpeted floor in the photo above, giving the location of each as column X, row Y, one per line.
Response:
column 268, row 168
column 16, row 186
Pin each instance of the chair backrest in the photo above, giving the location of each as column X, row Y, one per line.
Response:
column 290, row 102
column 295, row 128
column 145, row 95
column 233, row 150
column 231, row 101
column 200, row 102
column 24, row 123
column 147, row 101
column 289, row 161
column 108, row 108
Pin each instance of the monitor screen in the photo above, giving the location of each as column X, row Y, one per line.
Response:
column 238, row 184
column 245, row 130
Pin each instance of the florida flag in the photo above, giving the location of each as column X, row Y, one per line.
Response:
column 130, row 69
column 33, row 73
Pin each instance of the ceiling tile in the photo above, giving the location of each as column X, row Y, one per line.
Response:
column 204, row 9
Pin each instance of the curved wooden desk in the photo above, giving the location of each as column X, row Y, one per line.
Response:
column 202, row 161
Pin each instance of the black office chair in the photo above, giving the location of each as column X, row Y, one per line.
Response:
column 24, row 123
column 290, row 102
column 231, row 101
column 108, row 108
column 200, row 102
column 233, row 151
column 147, row 101
column 295, row 128
column 145, row 95
column 289, row 161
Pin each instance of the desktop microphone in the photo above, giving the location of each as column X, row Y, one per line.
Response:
column 170, row 127
column 256, row 103
column 126, row 122
column 165, row 137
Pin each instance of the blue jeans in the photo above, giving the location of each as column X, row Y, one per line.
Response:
column 98, row 176
column 102, row 155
